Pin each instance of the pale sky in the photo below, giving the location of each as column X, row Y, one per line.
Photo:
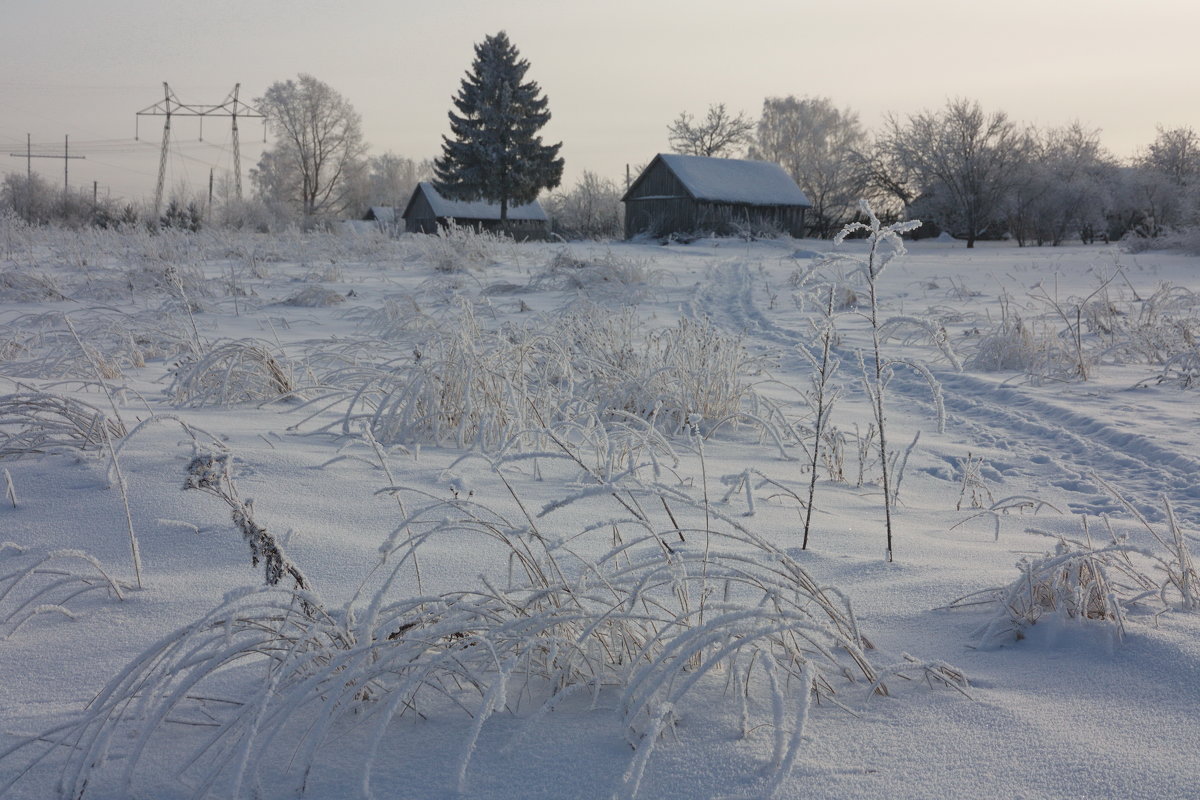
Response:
column 616, row 71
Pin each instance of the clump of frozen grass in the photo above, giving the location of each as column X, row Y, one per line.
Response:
column 42, row 346
column 1182, row 370
column 1083, row 582
column 693, row 369
column 656, row 617
column 314, row 297
column 34, row 583
column 470, row 387
column 185, row 283
column 1068, row 338
column 33, row 423
column 1013, row 344
column 1178, row 567
column 478, row 387
column 21, row 286
column 609, row 273
column 1077, row 582
column 396, row 319
column 232, row 373
column 461, row 248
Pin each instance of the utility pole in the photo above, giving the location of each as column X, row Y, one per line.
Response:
column 170, row 106
column 29, row 155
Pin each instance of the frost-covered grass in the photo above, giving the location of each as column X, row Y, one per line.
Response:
column 529, row 519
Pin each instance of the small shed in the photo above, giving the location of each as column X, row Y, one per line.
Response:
column 427, row 211
column 683, row 194
column 384, row 215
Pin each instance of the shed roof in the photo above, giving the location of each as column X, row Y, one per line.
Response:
column 730, row 180
column 444, row 208
column 381, row 214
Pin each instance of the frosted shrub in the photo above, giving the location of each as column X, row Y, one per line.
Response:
column 469, row 386
column 1068, row 339
column 1081, row 582
column 1182, row 370
column 1156, row 329
column 43, row 347
column 232, row 373
column 1075, row 583
column 1186, row 241
column 398, row 318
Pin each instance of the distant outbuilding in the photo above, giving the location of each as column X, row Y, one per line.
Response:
column 686, row 194
column 427, row 211
column 384, row 215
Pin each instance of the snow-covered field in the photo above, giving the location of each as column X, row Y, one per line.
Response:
column 548, row 502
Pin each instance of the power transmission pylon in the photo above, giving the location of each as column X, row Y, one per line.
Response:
column 170, row 106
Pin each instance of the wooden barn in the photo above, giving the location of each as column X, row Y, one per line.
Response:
column 427, row 211
column 685, row 194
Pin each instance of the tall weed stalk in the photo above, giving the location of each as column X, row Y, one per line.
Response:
column 884, row 246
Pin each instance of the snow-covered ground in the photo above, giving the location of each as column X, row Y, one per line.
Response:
column 196, row 338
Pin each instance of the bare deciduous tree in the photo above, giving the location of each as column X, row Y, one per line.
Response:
column 819, row 145
column 962, row 161
column 590, row 210
column 717, row 135
column 391, row 178
column 1063, row 188
column 319, row 148
column 1175, row 153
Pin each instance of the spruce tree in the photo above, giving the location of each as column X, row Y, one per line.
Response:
column 496, row 153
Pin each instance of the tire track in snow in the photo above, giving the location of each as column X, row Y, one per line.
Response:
column 1050, row 443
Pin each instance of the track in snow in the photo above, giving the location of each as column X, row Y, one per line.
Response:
column 1049, row 444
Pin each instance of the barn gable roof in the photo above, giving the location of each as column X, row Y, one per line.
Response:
column 444, row 208
column 729, row 180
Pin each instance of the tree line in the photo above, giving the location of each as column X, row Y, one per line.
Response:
column 971, row 173
column 964, row 171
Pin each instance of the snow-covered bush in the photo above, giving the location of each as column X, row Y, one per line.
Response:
column 21, row 286
column 1014, row 344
